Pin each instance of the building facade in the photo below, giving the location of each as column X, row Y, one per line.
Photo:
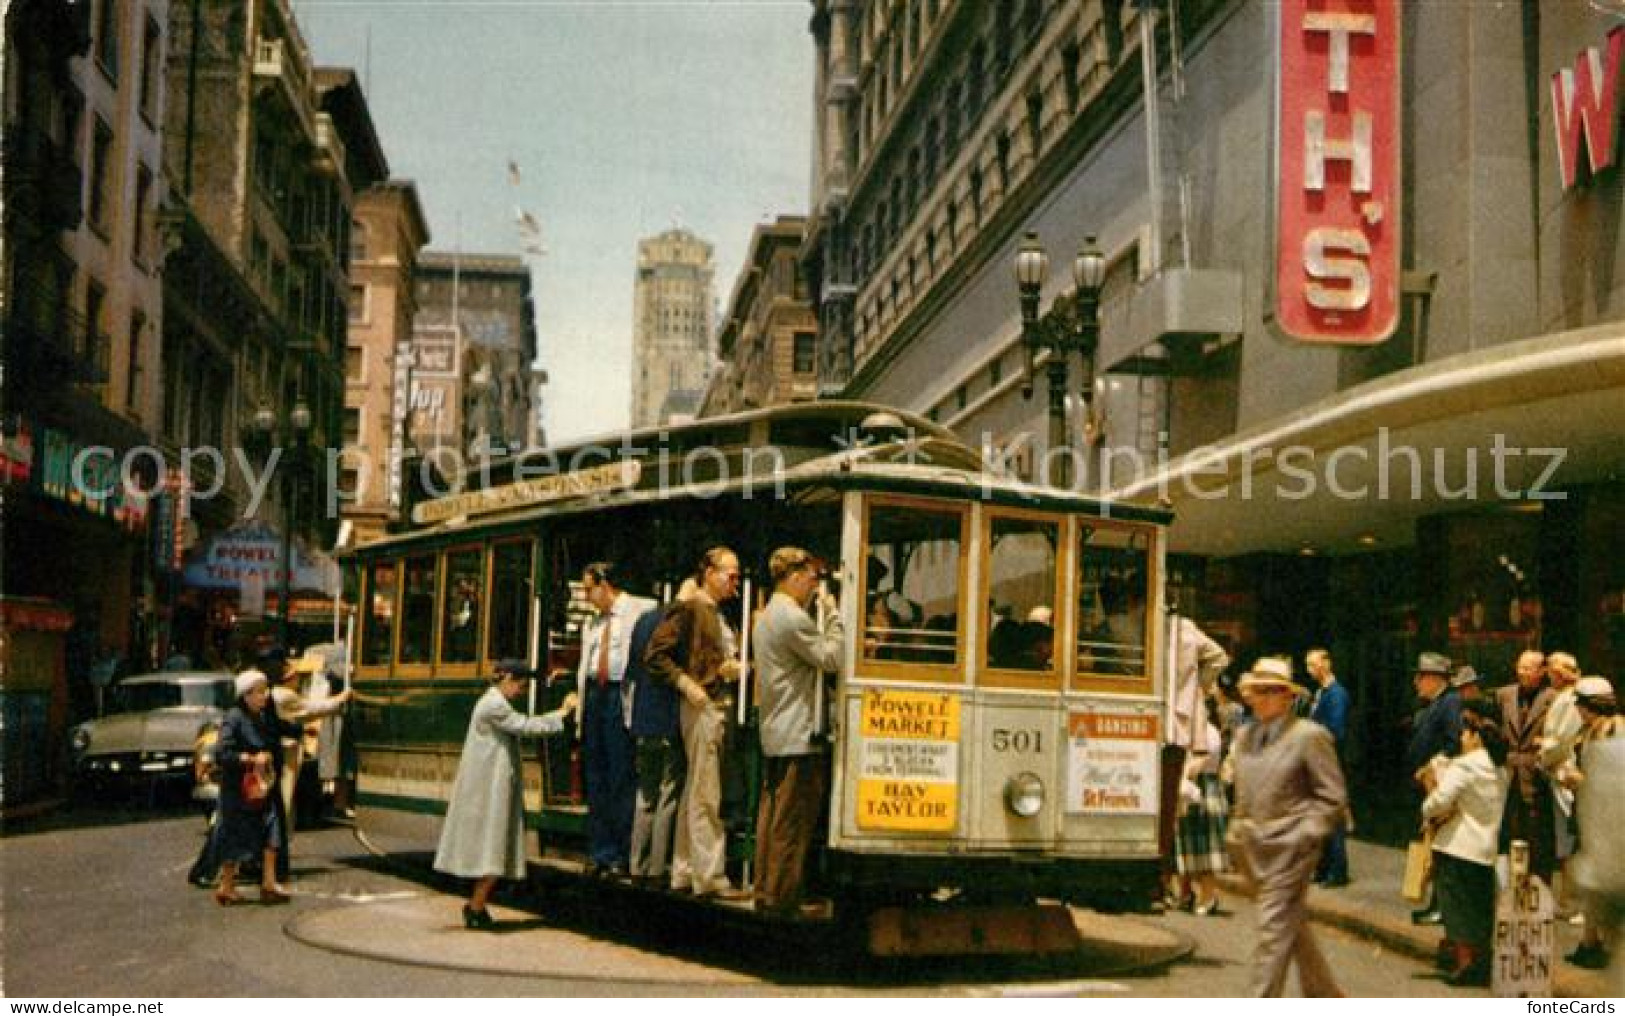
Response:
column 474, row 337
column 82, row 312
column 264, row 154
column 388, row 231
column 767, row 345
column 1324, row 486
column 672, row 299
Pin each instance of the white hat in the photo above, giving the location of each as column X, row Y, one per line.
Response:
column 1594, row 687
column 1271, row 672
column 248, row 680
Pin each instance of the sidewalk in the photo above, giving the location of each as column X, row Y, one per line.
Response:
column 1371, row 906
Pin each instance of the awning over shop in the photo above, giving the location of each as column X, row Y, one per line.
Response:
column 247, row 558
column 1504, row 425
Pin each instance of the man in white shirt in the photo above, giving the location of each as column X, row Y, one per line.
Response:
column 607, row 748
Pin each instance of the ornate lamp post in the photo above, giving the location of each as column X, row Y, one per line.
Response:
column 1058, row 334
column 296, row 433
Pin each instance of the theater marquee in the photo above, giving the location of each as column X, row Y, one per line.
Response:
column 1337, row 143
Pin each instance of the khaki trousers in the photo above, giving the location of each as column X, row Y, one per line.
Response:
column 699, row 858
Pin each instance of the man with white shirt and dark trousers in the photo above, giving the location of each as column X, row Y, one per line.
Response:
column 793, row 653
column 607, row 747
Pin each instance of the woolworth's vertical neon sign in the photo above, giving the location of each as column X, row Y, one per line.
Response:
column 1337, row 171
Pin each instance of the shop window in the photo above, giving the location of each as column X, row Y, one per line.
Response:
column 417, row 611
column 461, row 614
column 378, row 625
column 912, row 583
column 1022, row 564
column 509, row 635
column 1114, row 580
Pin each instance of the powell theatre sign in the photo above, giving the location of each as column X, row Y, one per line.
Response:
column 1337, row 140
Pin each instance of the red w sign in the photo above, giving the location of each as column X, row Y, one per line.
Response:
column 1337, row 171
column 1583, row 101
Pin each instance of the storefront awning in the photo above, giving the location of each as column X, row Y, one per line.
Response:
column 1510, row 424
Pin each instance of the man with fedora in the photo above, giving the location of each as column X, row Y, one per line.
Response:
column 1290, row 796
column 1465, row 681
column 1435, row 730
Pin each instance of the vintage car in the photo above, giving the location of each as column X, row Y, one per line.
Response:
column 150, row 734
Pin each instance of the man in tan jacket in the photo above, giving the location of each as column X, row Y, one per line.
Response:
column 1290, row 795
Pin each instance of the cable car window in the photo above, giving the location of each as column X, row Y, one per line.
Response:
column 1114, row 575
column 378, row 626
column 417, row 611
column 509, row 637
column 911, row 584
column 460, row 616
column 1021, row 588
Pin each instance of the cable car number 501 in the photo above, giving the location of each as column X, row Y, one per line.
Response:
column 1021, row 742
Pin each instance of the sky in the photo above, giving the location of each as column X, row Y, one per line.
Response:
column 624, row 119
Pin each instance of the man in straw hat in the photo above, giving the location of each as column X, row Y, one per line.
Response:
column 1289, row 797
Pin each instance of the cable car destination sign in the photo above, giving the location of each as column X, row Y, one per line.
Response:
column 908, row 761
column 524, row 493
column 1337, row 142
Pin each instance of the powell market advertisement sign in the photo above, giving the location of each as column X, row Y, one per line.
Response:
column 908, row 762
column 1337, row 179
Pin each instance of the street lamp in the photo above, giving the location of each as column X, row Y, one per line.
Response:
column 297, row 428
column 1061, row 333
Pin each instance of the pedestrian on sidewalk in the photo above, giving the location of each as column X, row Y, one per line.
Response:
column 251, row 824
column 1290, row 795
column 1198, row 662
column 1528, row 814
column 483, row 836
column 1600, row 723
column 1465, row 796
column 1330, row 709
column 1435, row 731
column 1204, row 815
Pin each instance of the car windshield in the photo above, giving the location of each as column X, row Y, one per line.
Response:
column 140, row 698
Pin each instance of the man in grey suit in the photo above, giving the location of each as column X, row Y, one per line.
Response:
column 793, row 653
column 1289, row 798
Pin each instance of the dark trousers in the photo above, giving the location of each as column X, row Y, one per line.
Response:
column 1466, row 895
column 607, row 752
column 793, row 792
column 661, row 769
column 1334, row 863
column 1173, row 771
column 1531, row 821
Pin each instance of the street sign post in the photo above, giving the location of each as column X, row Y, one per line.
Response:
column 1524, row 939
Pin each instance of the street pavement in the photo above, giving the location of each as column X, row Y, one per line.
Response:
column 96, row 902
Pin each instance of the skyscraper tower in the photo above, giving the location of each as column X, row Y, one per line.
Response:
column 671, row 327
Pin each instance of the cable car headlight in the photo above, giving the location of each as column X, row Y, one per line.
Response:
column 1024, row 794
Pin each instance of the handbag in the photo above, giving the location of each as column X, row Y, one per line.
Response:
column 1418, row 866
column 256, row 786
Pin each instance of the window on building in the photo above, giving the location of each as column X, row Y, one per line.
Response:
column 358, row 303
column 1035, row 123
column 1111, row 20
column 352, row 425
column 132, row 373
column 1070, row 58
column 101, row 178
column 107, row 22
column 961, row 398
column 1001, row 157
column 151, row 70
column 930, row 250
column 358, row 242
column 806, row 344
column 953, row 223
column 995, row 371
column 95, row 328
column 353, row 360
column 974, row 85
column 141, row 228
column 976, row 194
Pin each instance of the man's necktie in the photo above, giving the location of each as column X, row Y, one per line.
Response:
column 603, row 655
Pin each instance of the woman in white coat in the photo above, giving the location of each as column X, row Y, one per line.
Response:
column 1466, row 795
column 483, row 837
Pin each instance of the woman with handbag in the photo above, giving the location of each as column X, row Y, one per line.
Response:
column 1466, row 794
column 249, row 754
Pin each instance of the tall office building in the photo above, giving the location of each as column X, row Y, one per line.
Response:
column 671, row 327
